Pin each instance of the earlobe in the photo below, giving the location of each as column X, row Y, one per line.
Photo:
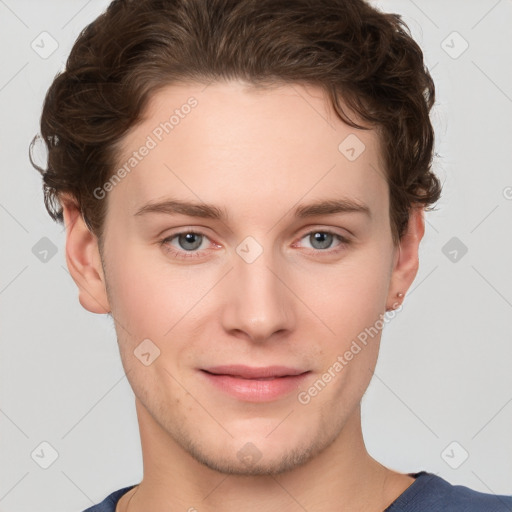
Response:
column 407, row 261
column 83, row 260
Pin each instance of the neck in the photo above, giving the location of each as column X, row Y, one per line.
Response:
column 342, row 477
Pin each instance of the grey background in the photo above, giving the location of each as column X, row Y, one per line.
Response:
column 444, row 373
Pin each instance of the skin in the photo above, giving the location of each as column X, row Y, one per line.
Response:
column 257, row 153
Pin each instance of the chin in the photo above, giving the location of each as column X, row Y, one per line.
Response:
column 251, row 452
column 249, row 460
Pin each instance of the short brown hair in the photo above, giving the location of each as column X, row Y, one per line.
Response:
column 352, row 50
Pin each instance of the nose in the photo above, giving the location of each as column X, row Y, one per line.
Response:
column 258, row 303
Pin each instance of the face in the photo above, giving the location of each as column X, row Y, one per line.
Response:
column 252, row 304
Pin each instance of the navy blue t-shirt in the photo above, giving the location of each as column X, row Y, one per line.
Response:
column 428, row 493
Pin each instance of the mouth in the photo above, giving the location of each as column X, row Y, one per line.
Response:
column 255, row 384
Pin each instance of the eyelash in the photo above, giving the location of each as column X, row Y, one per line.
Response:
column 197, row 254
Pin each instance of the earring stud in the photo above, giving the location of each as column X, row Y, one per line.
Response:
column 394, row 306
column 400, row 296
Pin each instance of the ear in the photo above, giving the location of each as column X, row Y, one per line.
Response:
column 406, row 260
column 83, row 259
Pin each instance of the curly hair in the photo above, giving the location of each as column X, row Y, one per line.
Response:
column 356, row 53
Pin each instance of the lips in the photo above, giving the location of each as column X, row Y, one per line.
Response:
column 254, row 373
column 254, row 384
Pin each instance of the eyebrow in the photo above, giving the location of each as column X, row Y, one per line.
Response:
column 209, row 211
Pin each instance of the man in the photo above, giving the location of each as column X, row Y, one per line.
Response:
column 243, row 185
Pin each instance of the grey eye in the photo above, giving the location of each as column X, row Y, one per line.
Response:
column 321, row 239
column 190, row 241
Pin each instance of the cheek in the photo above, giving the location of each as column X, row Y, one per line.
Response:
column 160, row 302
column 352, row 295
column 147, row 296
column 149, row 303
column 351, row 303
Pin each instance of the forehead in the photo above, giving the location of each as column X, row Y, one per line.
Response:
column 233, row 144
